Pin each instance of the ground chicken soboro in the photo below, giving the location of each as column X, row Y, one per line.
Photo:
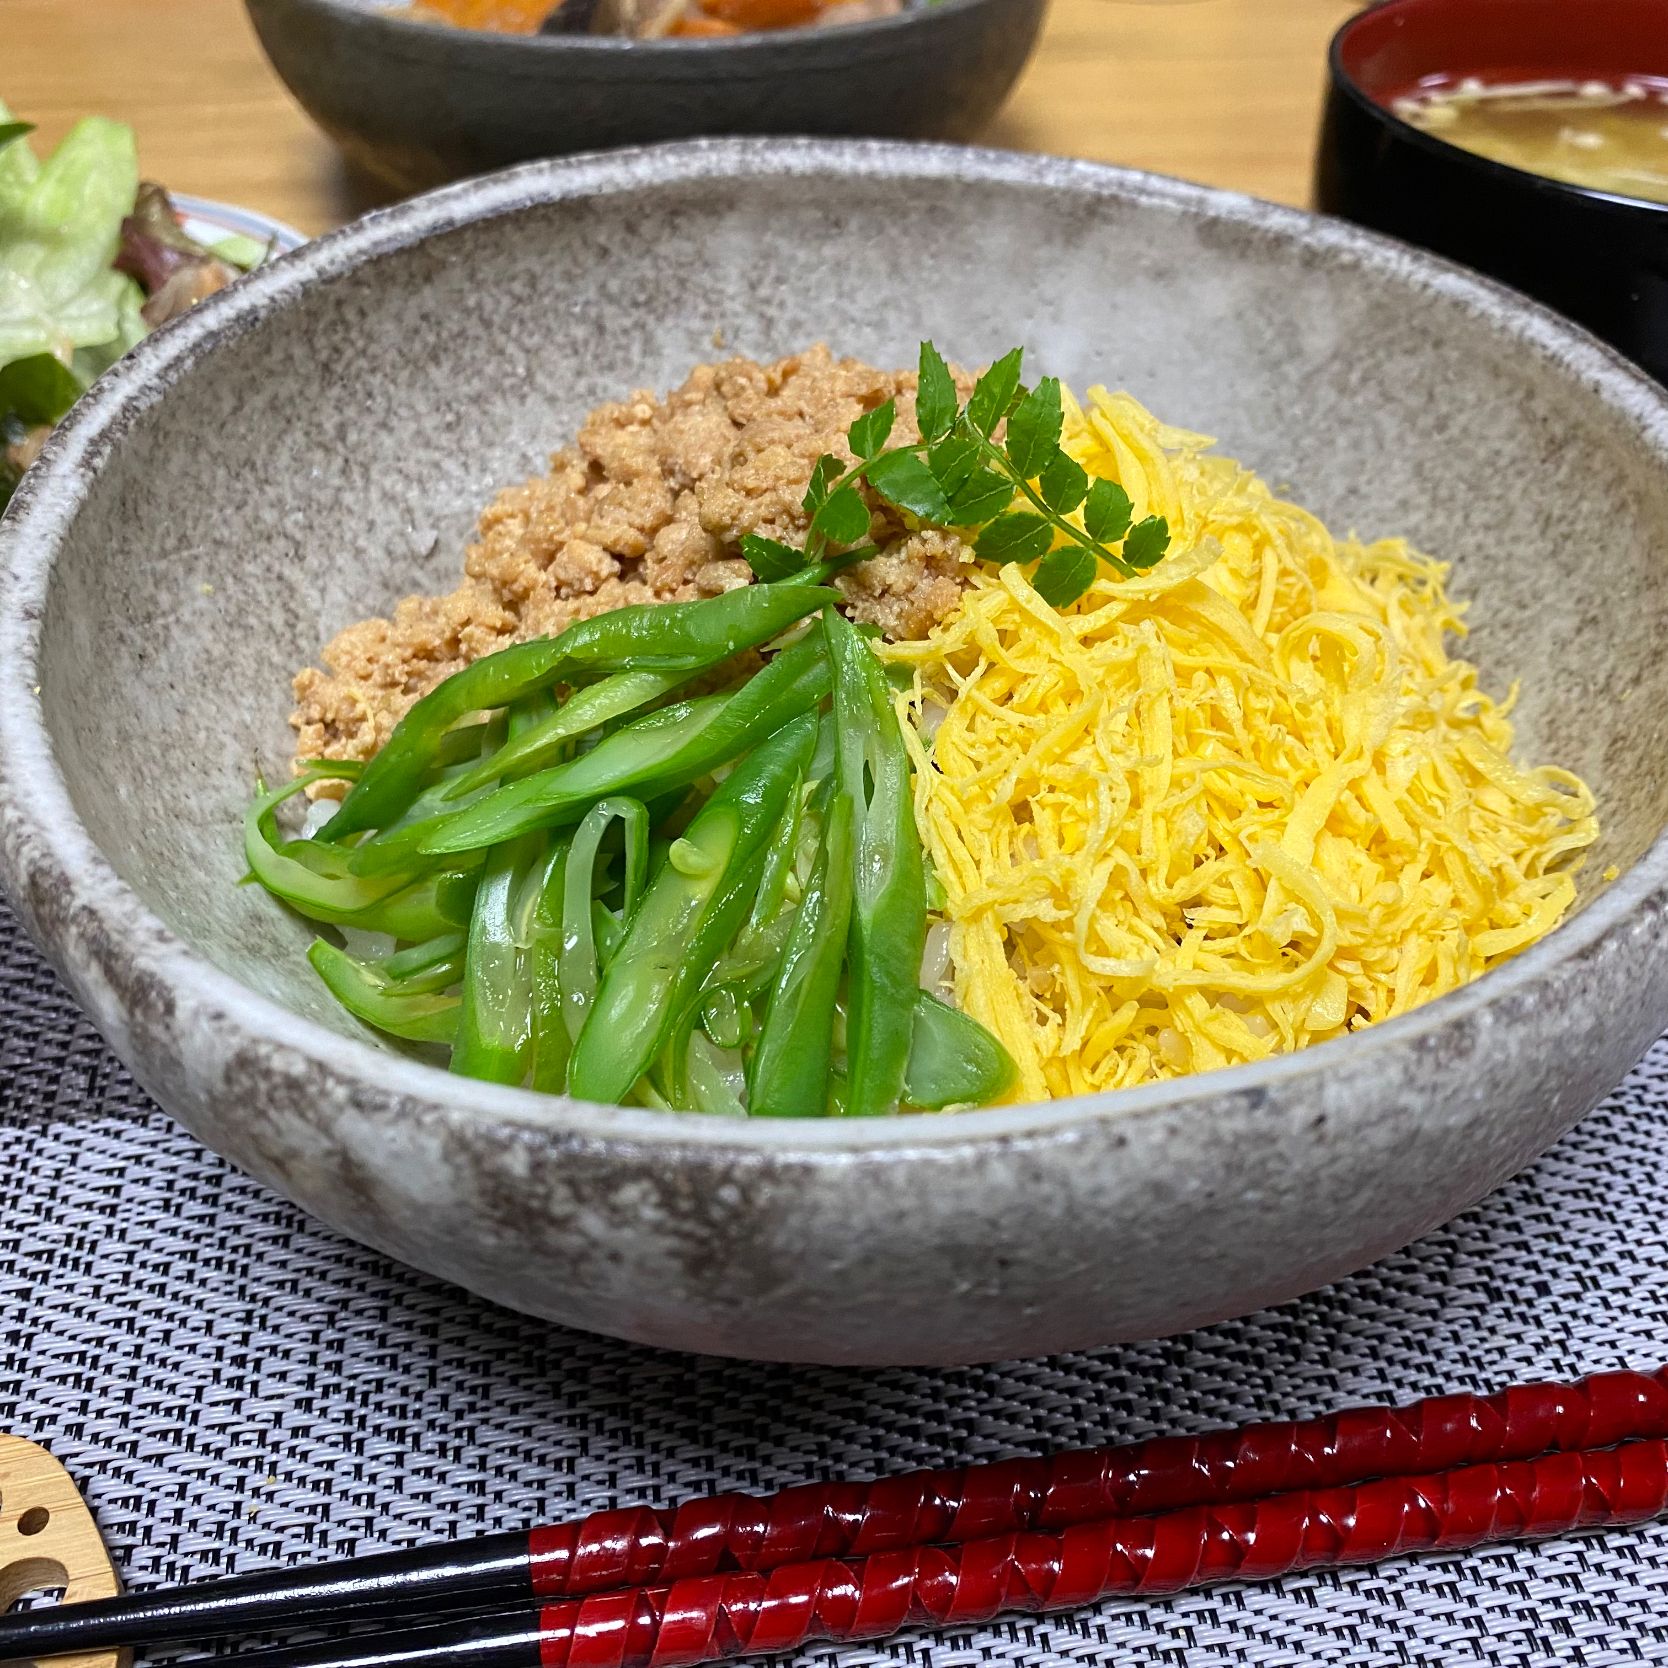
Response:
column 649, row 505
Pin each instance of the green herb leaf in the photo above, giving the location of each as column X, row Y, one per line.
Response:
column 902, row 478
column 770, row 559
column 1062, row 484
column 1034, row 430
column 1106, row 515
column 40, row 388
column 935, row 396
column 1020, row 537
column 842, row 517
column 954, row 459
column 870, row 432
column 14, row 130
column 994, row 392
column 828, row 470
column 983, row 497
column 1147, row 542
column 1063, row 575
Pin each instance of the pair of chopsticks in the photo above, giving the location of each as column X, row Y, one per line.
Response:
column 737, row 1575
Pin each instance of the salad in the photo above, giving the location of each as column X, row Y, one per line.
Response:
column 91, row 261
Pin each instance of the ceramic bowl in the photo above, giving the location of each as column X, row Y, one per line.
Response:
column 1601, row 259
column 307, row 447
column 418, row 103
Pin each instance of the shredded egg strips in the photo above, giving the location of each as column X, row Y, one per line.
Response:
column 1237, row 805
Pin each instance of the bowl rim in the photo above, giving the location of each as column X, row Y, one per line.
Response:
column 45, row 848
column 1486, row 168
column 401, row 28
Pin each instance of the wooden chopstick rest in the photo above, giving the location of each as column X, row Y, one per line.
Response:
column 48, row 1539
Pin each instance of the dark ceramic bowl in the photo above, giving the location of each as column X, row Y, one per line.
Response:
column 1600, row 259
column 417, row 104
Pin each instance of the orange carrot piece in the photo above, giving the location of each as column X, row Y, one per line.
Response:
column 762, row 14
column 507, row 17
column 699, row 27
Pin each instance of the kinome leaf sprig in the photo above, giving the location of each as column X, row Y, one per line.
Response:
column 959, row 476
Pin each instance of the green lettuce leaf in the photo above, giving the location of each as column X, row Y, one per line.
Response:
column 60, row 224
column 235, row 249
column 39, row 389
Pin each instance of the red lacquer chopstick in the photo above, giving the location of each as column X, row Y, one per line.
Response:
column 641, row 1547
column 752, row 1613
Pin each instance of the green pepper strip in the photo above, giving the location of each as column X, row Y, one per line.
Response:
column 707, row 1087
column 394, row 777
column 441, row 973
column 953, row 1059
column 460, row 745
column 419, row 960
column 393, row 850
column 689, row 913
column 689, row 636
column 721, row 1015
column 369, row 994
column 396, row 849
column 542, row 940
column 454, row 897
column 529, row 713
column 495, row 1032
column 779, row 861
column 672, row 1070
column 313, row 879
column 587, row 709
column 607, row 928
column 651, row 637
column 579, row 949
column 669, row 816
column 666, row 750
column 565, row 791
column 889, row 908
column 432, row 906
column 748, row 967
column 793, row 1062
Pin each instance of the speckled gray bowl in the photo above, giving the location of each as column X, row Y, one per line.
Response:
column 313, row 443
column 420, row 103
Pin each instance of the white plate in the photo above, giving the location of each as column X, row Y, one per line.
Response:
column 208, row 222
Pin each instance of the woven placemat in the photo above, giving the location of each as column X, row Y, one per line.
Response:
column 234, row 1385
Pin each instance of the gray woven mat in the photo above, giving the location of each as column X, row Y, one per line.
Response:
column 232, row 1384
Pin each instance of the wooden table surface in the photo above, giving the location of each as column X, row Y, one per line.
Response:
column 1223, row 91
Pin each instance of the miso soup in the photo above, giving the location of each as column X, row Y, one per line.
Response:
column 1607, row 136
